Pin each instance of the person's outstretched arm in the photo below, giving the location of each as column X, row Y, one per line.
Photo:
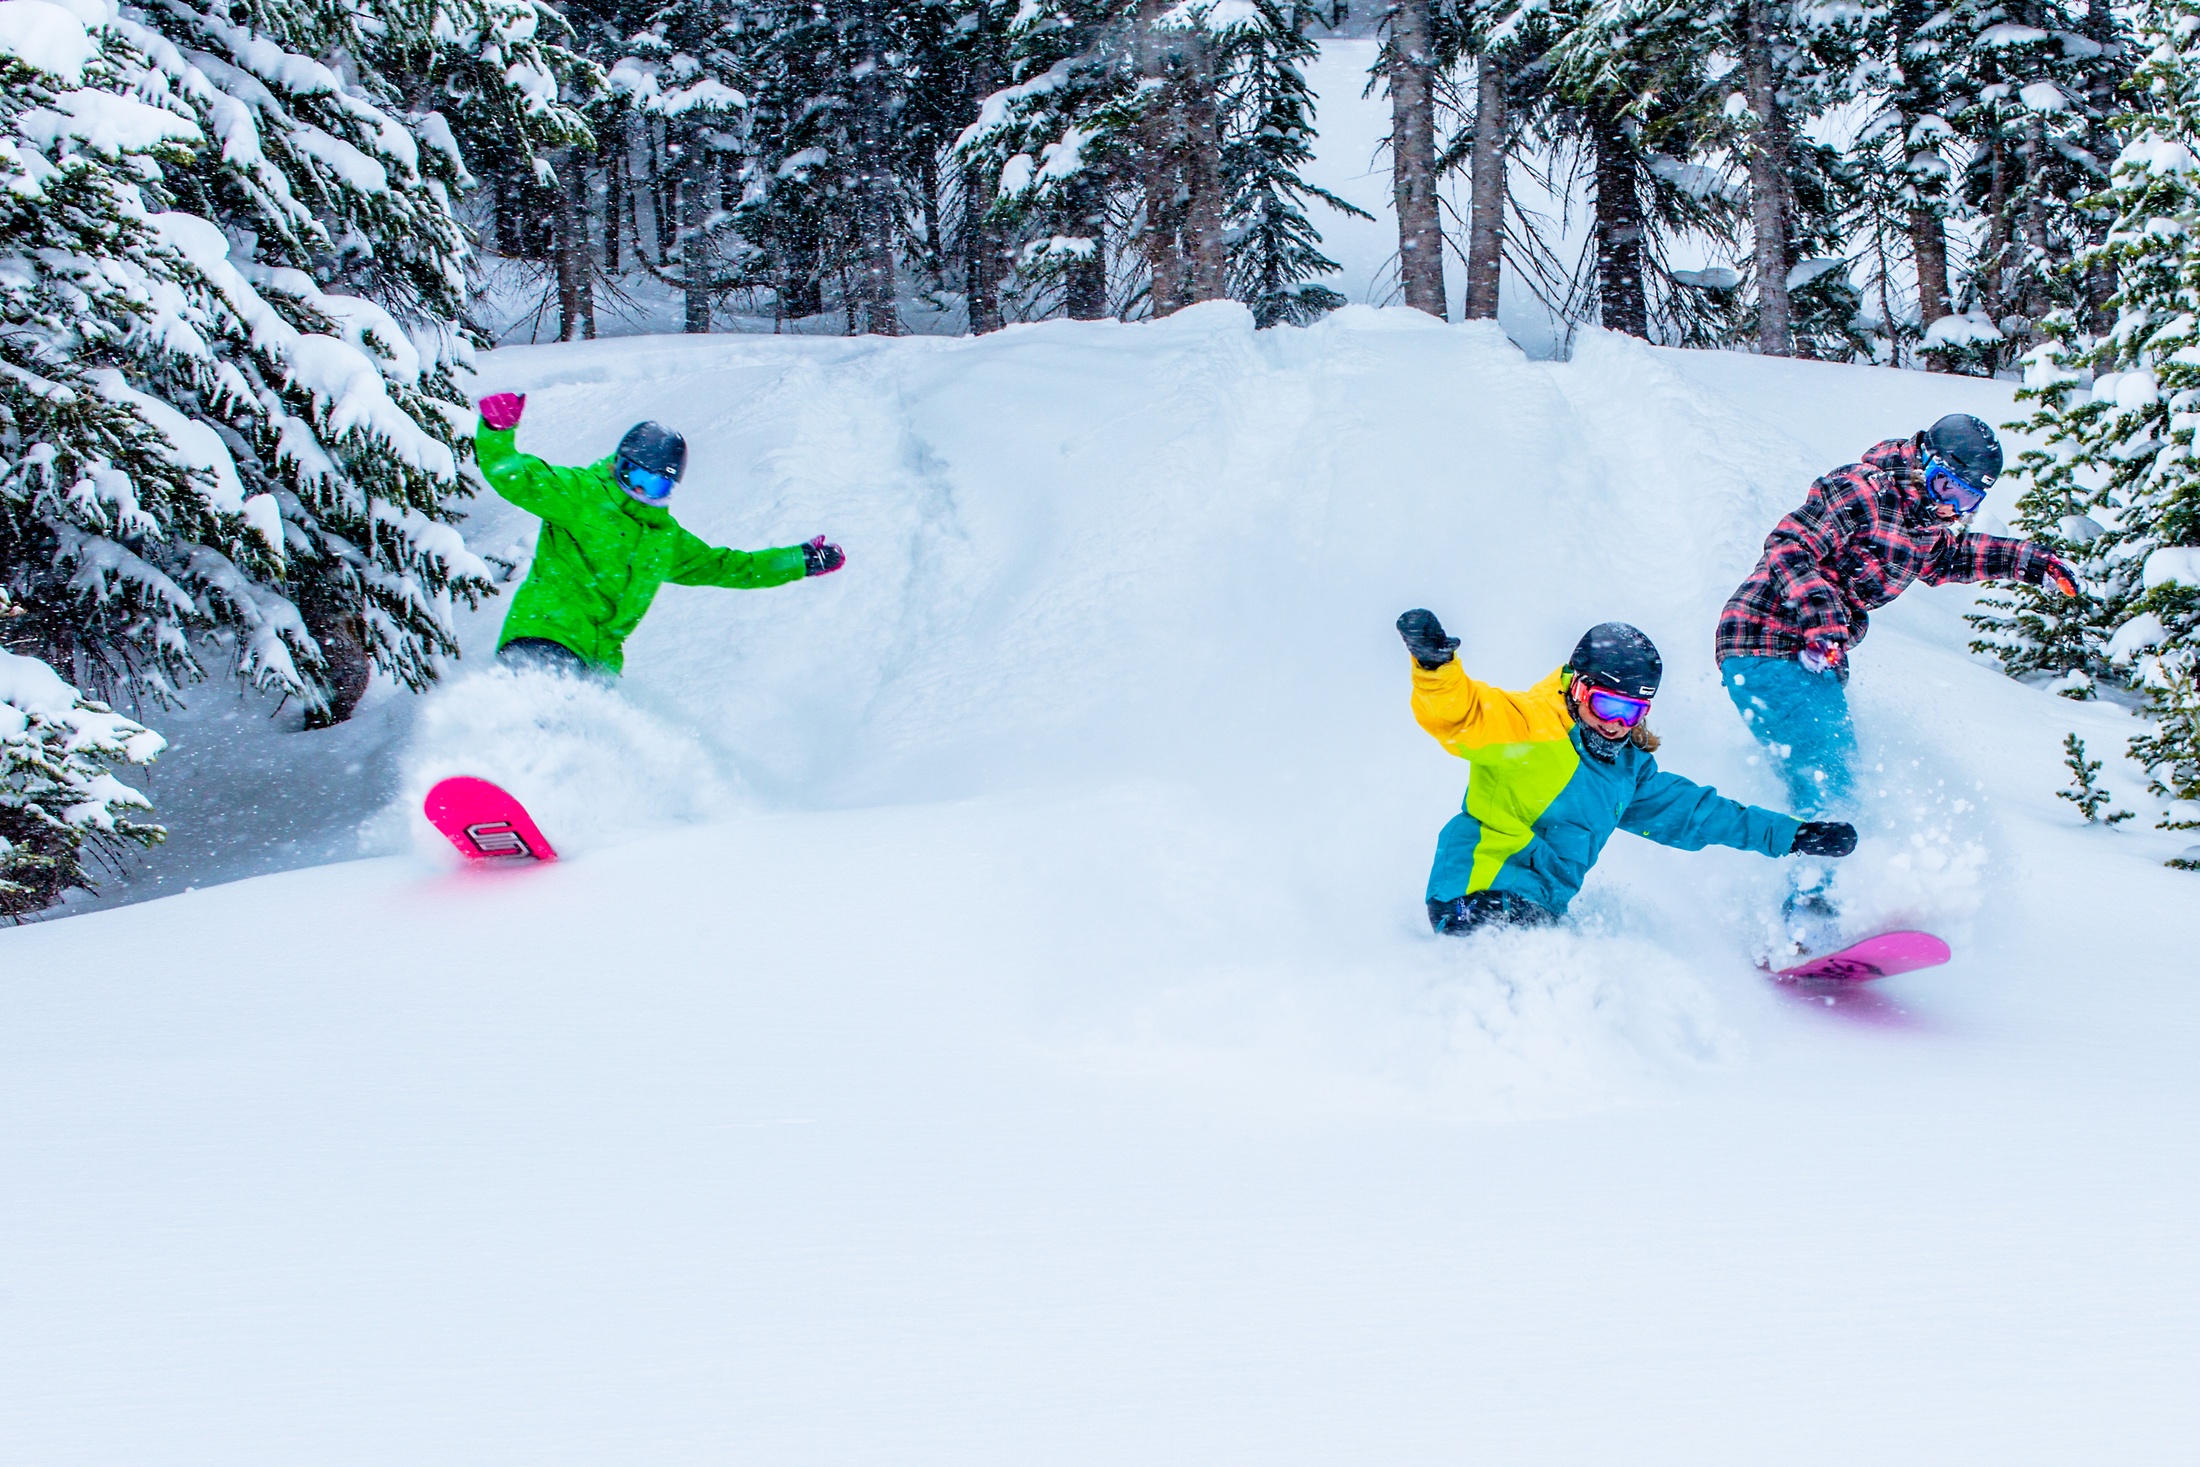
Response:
column 544, row 490
column 699, row 563
column 1969, row 557
column 1688, row 816
column 1457, row 711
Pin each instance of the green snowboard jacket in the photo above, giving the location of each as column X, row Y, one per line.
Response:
column 603, row 553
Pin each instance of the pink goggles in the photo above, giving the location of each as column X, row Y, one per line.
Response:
column 1618, row 707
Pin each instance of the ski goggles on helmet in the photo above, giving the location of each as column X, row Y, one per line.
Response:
column 649, row 484
column 1618, row 707
column 1950, row 487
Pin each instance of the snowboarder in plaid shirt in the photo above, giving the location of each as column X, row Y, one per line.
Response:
column 1865, row 533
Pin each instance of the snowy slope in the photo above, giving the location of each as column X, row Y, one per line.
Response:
column 1029, row 1046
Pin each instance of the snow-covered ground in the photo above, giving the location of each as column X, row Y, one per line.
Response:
column 986, row 1014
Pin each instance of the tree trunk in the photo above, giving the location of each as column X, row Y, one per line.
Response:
column 801, row 296
column 567, row 248
column 1085, row 283
column 981, row 240
column 1997, row 230
column 664, row 191
column 326, row 605
column 2032, row 301
column 1768, row 167
column 1486, row 216
column 1917, row 98
column 1160, row 165
column 1619, row 230
column 2108, row 74
column 633, row 206
column 1206, row 248
column 614, row 197
column 584, row 254
column 1886, row 295
column 935, row 248
column 1413, row 157
column 507, row 216
column 981, row 252
column 1929, row 251
column 695, row 261
column 872, row 311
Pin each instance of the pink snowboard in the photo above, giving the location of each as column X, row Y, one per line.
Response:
column 1882, row 956
column 484, row 822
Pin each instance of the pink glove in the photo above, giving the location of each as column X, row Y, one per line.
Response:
column 822, row 559
column 502, row 411
column 1820, row 657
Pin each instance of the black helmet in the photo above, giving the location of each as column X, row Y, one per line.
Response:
column 1968, row 446
column 1614, row 655
column 654, row 449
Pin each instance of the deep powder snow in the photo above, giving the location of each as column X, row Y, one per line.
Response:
column 987, row 1013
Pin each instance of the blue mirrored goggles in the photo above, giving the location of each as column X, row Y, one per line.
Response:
column 1618, row 707
column 647, row 483
column 1950, row 487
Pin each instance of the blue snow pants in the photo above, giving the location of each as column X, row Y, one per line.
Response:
column 1802, row 719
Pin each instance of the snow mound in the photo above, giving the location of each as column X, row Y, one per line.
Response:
column 588, row 764
column 1555, row 1022
column 1504, row 1026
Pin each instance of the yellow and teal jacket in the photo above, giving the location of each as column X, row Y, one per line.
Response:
column 1539, row 810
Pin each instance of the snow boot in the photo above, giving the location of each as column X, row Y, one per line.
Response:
column 1809, row 920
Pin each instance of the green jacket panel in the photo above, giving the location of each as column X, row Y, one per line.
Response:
column 603, row 553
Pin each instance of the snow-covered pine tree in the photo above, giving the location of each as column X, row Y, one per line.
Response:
column 499, row 88
column 122, row 528
column 2025, row 98
column 685, row 78
column 2116, row 486
column 958, row 58
column 1798, row 58
column 58, row 792
column 1637, row 97
column 125, row 529
column 1113, row 118
column 1179, row 130
column 1901, row 158
column 339, row 268
column 1056, row 143
column 1268, row 136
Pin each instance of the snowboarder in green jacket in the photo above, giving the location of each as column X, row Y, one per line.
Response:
column 608, row 543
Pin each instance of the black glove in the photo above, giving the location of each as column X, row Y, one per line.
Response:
column 820, row 558
column 1824, row 838
column 1425, row 639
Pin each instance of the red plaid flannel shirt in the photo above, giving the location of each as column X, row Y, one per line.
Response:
column 1865, row 532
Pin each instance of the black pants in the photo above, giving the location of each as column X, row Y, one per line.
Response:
column 540, row 654
column 1479, row 909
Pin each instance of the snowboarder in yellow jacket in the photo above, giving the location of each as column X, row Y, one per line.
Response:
column 608, row 543
column 1556, row 769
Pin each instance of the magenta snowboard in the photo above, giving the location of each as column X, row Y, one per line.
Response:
column 1882, row 956
column 484, row 822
